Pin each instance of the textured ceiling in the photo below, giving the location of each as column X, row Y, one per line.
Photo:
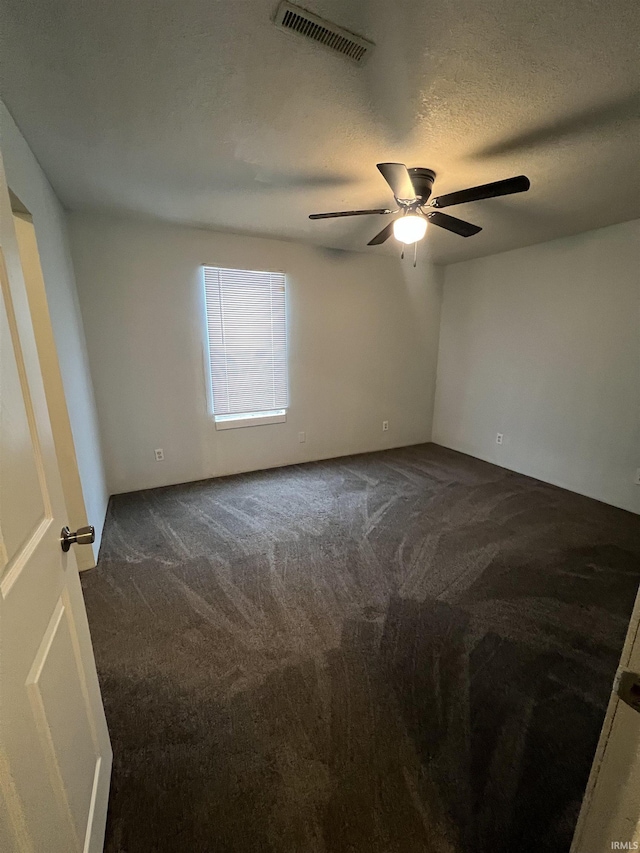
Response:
column 202, row 112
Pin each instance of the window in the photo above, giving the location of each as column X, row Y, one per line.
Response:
column 247, row 335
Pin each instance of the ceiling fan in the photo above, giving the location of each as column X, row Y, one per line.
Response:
column 412, row 190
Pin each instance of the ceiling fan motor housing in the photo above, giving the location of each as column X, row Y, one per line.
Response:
column 422, row 180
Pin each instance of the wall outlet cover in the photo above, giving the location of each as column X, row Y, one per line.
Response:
column 159, row 454
column 637, row 479
column 385, row 426
column 499, row 438
column 302, row 437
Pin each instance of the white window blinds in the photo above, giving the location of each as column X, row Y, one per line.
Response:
column 247, row 340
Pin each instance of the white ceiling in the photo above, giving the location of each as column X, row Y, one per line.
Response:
column 201, row 111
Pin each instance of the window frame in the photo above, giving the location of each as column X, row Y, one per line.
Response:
column 247, row 419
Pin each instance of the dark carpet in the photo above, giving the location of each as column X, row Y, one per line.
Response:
column 395, row 652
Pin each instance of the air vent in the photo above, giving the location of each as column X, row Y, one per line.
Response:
column 294, row 19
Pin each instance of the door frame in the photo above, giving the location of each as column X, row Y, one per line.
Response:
column 26, row 235
column 593, row 803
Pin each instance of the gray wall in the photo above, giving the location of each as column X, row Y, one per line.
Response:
column 542, row 344
column 362, row 329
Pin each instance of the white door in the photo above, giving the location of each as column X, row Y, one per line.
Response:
column 610, row 816
column 55, row 755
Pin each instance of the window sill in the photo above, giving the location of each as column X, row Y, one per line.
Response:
column 257, row 419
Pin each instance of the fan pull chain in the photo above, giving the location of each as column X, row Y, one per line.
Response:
column 402, row 254
column 415, row 254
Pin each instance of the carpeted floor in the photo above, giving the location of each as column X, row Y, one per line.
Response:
column 396, row 652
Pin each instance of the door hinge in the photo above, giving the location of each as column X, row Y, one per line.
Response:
column 628, row 689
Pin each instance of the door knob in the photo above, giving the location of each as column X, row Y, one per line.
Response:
column 82, row 536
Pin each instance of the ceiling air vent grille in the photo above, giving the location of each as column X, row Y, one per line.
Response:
column 294, row 19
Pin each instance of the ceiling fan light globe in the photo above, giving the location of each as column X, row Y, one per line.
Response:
column 410, row 229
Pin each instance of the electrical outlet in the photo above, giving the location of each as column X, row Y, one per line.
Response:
column 637, row 479
column 159, row 454
column 499, row 438
column 302, row 437
column 385, row 426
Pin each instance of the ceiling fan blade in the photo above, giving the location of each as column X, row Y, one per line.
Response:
column 382, row 236
column 520, row 184
column 398, row 177
column 458, row 226
column 348, row 213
